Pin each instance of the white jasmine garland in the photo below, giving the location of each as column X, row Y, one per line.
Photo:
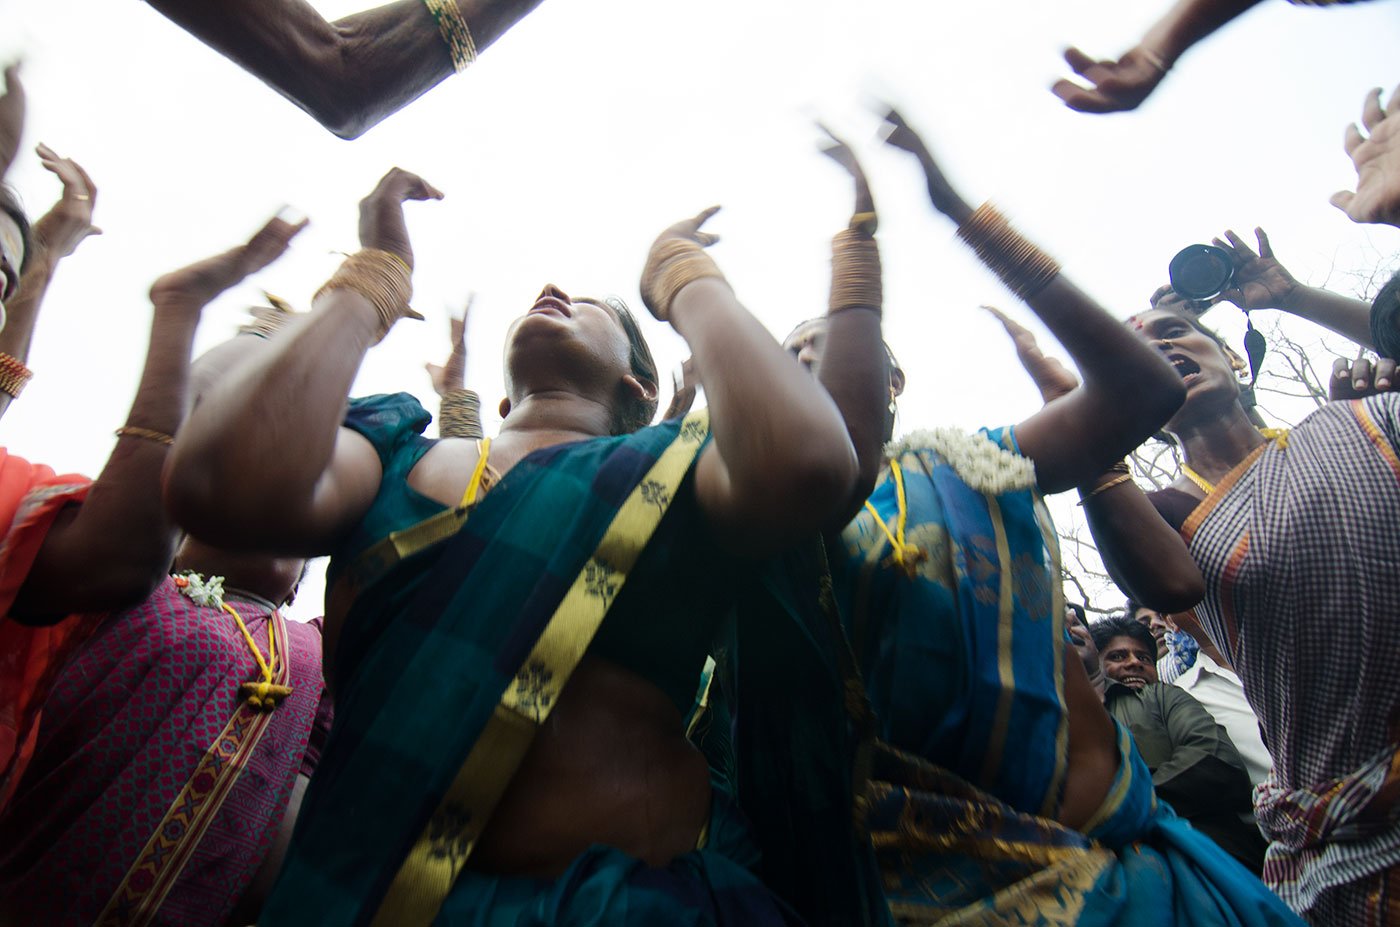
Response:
column 207, row 592
column 982, row 464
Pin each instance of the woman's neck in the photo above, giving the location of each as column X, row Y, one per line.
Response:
column 1215, row 446
column 555, row 417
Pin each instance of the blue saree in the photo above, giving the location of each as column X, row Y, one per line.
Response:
column 957, row 622
column 449, row 649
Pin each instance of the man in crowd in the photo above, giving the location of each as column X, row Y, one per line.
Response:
column 1194, row 765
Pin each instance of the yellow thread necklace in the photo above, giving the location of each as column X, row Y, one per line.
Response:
column 906, row 555
column 1270, row 434
column 262, row 693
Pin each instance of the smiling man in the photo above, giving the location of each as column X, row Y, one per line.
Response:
column 1195, row 767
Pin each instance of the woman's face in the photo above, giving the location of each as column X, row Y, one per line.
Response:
column 576, row 339
column 1209, row 377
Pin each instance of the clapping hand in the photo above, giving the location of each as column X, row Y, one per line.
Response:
column 1377, row 159
column 60, row 230
column 667, row 252
column 1114, row 86
column 898, row 134
column 1051, row 377
column 453, row 373
column 193, row 287
column 837, row 150
column 381, row 213
column 11, row 119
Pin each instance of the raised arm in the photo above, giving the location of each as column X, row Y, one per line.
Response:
column 854, row 367
column 348, row 74
column 54, row 237
column 1144, row 556
column 12, row 106
column 231, row 480
column 1262, row 282
column 1129, row 390
column 1122, row 84
column 459, row 409
column 113, row 549
column 781, row 465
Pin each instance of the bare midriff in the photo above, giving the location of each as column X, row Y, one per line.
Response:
column 611, row 765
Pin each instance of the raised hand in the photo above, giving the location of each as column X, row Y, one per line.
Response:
column 195, row 286
column 11, row 119
column 1376, row 155
column 453, row 373
column 1356, row 379
column 381, row 213
column 60, row 230
column 1261, row 282
column 898, row 134
column 842, row 153
column 1114, row 86
column 677, row 259
column 1051, row 377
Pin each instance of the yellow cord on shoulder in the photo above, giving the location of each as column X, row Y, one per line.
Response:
column 905, row 554
column 483, row 452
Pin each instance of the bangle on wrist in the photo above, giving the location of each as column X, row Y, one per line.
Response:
column 855, row 269
column 13, row 375
column 455, row 34
column 1021, row 265
column 674, row 264
column 145, row 434
column 381, row 278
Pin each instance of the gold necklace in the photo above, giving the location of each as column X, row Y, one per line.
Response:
column 1269, row 434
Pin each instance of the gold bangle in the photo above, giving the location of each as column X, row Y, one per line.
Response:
column 855, row 272
column 13, row 375
column 1021, row 265
column 459, row 415
column 673, row 265
column 455, row 33
column 1121, row 478
column 864, row 222
column 145, row 434
column 382, row 278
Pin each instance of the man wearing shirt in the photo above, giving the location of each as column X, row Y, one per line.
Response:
column 1194, row 765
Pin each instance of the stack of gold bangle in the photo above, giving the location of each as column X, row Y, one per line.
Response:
column 455, row 33
column 380, row 277
column 855, row 267
column 681, row 262
column 1020, row 264
column 459, row 414
column 13, row 375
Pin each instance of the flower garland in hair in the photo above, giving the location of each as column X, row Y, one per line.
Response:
column 981, row 463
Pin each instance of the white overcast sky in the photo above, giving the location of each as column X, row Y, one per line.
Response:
column 593, row 125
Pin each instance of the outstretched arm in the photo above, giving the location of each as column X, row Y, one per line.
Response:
column 1262, row 282
column 112, row 550
column 1129, row 390
column 55, row 236
column 1122, row 84
column 1144, row 556
column 854, row 367
column 349, row 74
column 230, row 481
column 781, row 464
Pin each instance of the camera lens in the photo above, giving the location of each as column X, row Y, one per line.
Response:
column 1201, row 271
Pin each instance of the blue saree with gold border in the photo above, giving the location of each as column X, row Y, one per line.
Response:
column 958, row 629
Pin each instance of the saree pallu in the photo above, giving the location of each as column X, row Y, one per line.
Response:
column 31, row 497
column 1300, row 571
column 963, row 648
column 432, row 649
column 954, row 855
column 155, row 790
